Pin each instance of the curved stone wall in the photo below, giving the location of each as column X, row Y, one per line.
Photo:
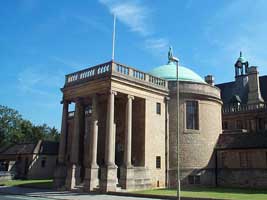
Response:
column 197, row 161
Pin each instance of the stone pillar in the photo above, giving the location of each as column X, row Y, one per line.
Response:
column 60, row 173
column 73, row 174
column 167, row 136
column 63, row 135
column 127, row 171
column 91, row 172
column 109, row 173
column 128, row 133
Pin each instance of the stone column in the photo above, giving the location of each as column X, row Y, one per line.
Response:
column 91, row 172
column 128, row 132
column 63, row 135
column 109, row 174
column 167, row 136
column 127, row 171
column 73, row 175
column 60, row 172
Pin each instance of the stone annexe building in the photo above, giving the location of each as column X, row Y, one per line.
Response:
column 122, row 133
column 242, row 148
column 29, row 160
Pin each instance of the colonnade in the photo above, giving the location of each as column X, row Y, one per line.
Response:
column 108, row 180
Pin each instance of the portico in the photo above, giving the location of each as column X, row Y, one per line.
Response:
column 103, row 143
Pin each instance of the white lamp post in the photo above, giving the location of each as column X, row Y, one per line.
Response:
column 176, row 60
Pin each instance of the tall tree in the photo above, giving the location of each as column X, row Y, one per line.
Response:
column 14, row 129
column 10, row 120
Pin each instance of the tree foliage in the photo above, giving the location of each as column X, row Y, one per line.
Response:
column 15, row 129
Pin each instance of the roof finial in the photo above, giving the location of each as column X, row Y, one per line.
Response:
column 240, row 53
column 170, row 54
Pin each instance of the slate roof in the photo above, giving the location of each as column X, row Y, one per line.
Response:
column 228, row 90
column 242, row 141
column 42, row 147
column 263, row 86
column 49, row 147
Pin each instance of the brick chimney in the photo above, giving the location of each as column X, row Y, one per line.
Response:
column 254, row 92
column 209, row 79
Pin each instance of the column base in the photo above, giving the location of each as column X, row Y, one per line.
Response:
column 91, row 181
column 73, row 176
column 60, row 176
column 127, row 178
column 109, row 178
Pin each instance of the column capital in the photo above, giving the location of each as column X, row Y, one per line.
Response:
column 110, row 91
column 130, row 96
column 166, row 99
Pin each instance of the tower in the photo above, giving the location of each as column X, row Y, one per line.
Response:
column 241, row 65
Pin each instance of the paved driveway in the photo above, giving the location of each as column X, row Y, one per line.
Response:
column 41, row 194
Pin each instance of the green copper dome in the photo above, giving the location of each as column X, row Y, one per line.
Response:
column 168, row 72
column 241, row 58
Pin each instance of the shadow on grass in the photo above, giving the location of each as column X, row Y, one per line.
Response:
column 42, row 185
column 225, row 190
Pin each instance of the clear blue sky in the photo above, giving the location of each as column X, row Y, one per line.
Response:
column 42, row 40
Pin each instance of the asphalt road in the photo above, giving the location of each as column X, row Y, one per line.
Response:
column 82, row 197
column 19, row 197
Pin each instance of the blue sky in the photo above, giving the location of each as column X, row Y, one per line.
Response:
column 42, row 40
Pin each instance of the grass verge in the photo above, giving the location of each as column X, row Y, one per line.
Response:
column 216, row 193
column 44, row 184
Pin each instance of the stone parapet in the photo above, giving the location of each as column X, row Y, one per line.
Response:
column 112, row 68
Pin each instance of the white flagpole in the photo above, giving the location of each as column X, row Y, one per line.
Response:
column 113, row 37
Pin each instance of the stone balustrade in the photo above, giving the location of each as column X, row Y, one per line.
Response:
column 244, row 108
column 88, row 73
column 113, row 68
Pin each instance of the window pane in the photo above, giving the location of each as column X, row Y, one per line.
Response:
column 158, row 162
column 158, row 108
column 192, row 115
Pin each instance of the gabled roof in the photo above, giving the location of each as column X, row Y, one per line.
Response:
column 229, row 90
column 41, row 147
column 49, row 147
column 19, row 149
column 242, row 141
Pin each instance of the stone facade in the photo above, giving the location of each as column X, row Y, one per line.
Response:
column 242, row 168
column 122, row 133
column 31, row 161
column 107, row 143
column 196, row 146
column 241, row 149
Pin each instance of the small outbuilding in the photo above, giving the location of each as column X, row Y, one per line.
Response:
column 30, row 160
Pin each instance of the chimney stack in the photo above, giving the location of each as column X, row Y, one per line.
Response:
column 209, row 79
column 254, row 92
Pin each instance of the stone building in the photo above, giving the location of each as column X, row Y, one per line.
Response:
column 122, row 133
column 30, row 160
column 241, row 149
column 244, row 100
column 242, row 160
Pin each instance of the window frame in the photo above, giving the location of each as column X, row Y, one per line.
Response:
column 158, row 162
column 194, row 179
column 192, row 131
column 43, row 162
column 158, row 108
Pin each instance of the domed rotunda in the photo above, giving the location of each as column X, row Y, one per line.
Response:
column 199, row 125
column 120, row 132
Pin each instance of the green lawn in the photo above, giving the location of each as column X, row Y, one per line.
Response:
column 219, row 193
column 29, row 183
